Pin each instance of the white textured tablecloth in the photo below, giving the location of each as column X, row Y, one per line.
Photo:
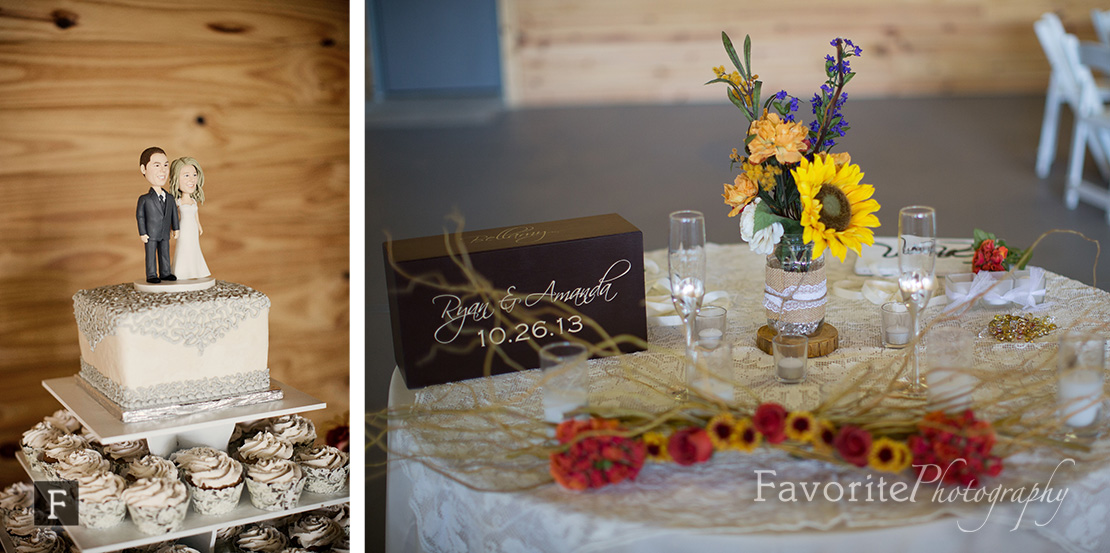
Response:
column 713, row 506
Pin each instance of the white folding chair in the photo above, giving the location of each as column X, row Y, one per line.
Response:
column 1072, row 79
column 1050, row 32
column 1101, row 21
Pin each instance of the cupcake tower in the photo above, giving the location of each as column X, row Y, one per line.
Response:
column 273, row 459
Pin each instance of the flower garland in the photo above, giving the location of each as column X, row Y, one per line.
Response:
column 597, row 452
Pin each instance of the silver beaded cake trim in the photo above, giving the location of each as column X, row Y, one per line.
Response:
column 179, row 398
column 197, row 319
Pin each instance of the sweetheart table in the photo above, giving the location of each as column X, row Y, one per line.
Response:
column 441, row 470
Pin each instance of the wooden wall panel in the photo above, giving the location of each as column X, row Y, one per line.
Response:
column 256, row 90
column 659, row 51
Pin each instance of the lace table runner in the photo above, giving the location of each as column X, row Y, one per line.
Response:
column 722, row 496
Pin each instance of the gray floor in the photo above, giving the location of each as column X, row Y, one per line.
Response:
column 970, row 158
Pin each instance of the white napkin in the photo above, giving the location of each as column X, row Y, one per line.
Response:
column 881, row 259
column 1025, row 288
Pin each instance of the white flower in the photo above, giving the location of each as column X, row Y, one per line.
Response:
column 764, row 240
column 747, row 220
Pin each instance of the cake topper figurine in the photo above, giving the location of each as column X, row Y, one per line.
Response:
column 187, row 187
column 156, row 216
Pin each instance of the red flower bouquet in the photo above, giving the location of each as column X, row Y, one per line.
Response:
column 992, row 254
column 955, row 448
column 597, row 460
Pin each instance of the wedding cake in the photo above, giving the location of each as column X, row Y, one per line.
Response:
column 142, row 351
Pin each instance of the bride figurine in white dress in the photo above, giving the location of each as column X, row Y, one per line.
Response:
column 187, row 186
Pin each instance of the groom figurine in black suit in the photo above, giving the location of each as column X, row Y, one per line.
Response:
column 156, row 215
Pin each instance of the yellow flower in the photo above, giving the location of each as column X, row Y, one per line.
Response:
column 719, row 71
column 823, row 437
column 836, row 209
column 720, row 430
column 744, row 436
column 655, row 445
column 734, row 156
column 774, row 137
column 763, row 175
column 889, row 455
column 740, row 194
column 801, row 426
column 735, row 78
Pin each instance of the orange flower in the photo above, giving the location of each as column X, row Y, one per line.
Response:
column 774, row 137
column 740, row 194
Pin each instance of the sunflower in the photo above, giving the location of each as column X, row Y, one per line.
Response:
column 744, row 436
column 836, row 208
column 801, row 426
column 889, row 455
column 824, row 435
column 655, row 447
column 721, row 429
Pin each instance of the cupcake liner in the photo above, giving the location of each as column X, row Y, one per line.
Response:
column 101, row 514
column 275, row 497
column 215, row 502
column 325, row 481
column 159, row 520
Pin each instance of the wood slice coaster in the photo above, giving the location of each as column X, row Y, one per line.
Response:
column 823, row 342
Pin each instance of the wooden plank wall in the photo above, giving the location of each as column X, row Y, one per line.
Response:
column 256, row 90
column 557, row 52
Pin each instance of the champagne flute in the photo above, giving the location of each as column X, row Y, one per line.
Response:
column 686, row 260
column 917, row 257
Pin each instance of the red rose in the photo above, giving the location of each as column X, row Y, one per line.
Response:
column 989, row 258
column 690, row 445
column 770, row 420
column 854, row 445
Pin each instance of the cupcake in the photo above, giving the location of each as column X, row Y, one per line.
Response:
column 275, row 484
column 265, row 445
column 92, row 439
column 215, row 483
column 183, row 457
column 148, row 547
column 295, row 550
column 342, row 545
column 295, row 429
column 63, row 420
column 56, row 450
column 150, row 466
column 20, row 521
column 34, row 441
column 81, row 462
column 20, row 494
column 315, row 532
column 225, row 539
column 244, row 430
column 157, row 505
column 122, row 454
column 326, row 469
column 41, row 540
column 100, row 500
column 264, row 539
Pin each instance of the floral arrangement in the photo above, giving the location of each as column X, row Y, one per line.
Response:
column 789, row 182
column 597, row 452
column 992, row 254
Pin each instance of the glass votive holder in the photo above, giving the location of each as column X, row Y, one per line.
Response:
column 897, row 325
column 1080, row 362
column 791, row 352
column 711, row 371
column 710, row 323
column 566, row 379
column 949, row 354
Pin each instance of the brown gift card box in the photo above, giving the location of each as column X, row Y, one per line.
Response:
column 445, row 331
